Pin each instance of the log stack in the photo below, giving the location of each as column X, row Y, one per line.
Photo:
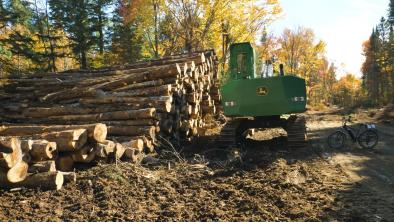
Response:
column 80, row 116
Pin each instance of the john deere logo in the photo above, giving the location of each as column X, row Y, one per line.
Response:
column 262, row 91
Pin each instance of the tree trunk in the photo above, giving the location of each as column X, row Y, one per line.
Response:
column 84, row 155
column 137, row 144
column 45, row 181
column 42, row 150
column 83, row 60
column 117, row 115
column 65, row 163
column 97, row 132
column 68, row 140
column 11, row 152
column 140, row 85
column 18, row 172
column 41, row 167
column 153, row 101
column 105, row 148
column 132, row 131
column 164, row 90
column 137, row 122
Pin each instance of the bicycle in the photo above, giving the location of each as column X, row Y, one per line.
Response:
column 366, row 135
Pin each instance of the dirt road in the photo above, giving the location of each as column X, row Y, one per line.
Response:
column 264, row 182
column 370, row 195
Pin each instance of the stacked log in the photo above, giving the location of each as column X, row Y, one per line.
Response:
column 81, row 116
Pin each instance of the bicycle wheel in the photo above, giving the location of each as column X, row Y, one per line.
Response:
column 368, row 139
column 337, row 140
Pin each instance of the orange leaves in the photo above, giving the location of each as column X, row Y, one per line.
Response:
column 347, row 90
column 130, row 9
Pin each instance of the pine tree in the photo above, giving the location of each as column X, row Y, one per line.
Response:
column 126, row 43
column 19, row 43
column 99, row 19
column 391, row 12
column 73, row 17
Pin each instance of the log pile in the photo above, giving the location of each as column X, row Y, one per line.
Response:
column 81, row 116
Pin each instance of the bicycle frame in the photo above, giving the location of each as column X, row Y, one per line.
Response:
column 352, row 132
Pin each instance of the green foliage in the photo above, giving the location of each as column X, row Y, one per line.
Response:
column 126, row 42
column 378, row 67
column 303, row 55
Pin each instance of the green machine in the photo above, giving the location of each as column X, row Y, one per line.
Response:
column 254, row 101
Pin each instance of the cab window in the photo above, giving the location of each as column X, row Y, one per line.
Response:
column 241, row 62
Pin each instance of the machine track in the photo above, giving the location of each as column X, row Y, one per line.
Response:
column 231, row 134
column 228, row 134
column 296, row 132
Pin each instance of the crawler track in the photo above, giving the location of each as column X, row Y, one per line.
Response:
column 232, row 133
column 296, row 132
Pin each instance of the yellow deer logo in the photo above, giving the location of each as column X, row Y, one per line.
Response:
column 262, row 91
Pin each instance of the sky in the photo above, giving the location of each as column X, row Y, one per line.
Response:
column 343, row 24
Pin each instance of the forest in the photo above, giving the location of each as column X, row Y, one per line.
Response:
column 58, row 35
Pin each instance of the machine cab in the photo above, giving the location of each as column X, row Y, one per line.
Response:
column 245, row 93
column 242, row 61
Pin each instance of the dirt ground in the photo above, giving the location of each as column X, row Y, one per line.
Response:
column 263, row 182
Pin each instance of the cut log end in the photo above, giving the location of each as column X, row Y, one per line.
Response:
column 18, row 172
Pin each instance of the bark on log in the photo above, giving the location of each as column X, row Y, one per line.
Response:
column 105, row 148
column 68, row 140
column 69, row 177
column 40, row 112
column 97, row 132
column 137, row 122
column 65, row 163
column 132, row 131
column 117, row 115
column 26, row 145
column 42, row 150
column 137, row 144
column 149, row 146
column 133, row 155
column 43, row 166
column 84, row 155
column 11, row 152
column 119, row 150
column 164, row 90
column 70, row 94
column 141, row 85
column 45, row 181
column 113, row 99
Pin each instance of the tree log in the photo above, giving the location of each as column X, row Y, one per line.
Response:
column 11, row 152
column 140, row 85
column 18, row 172
column 26, row 145
column 69, row 177
column 134, row 155
column 42, row 150
column 70, row 94
column 164, row 90
column 46, row 181
column 136, row 122
column 117, row 115
column 84, row 155
column 119, row 150
column 132, row 131
column 113, row 99
column 40, row 112
column 137, row 144
column 105, row 148
column 68, row 140
column 97, row 132
column 43, row 166
column 65, row 163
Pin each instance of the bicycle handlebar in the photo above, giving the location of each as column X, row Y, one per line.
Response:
column 346, row 120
